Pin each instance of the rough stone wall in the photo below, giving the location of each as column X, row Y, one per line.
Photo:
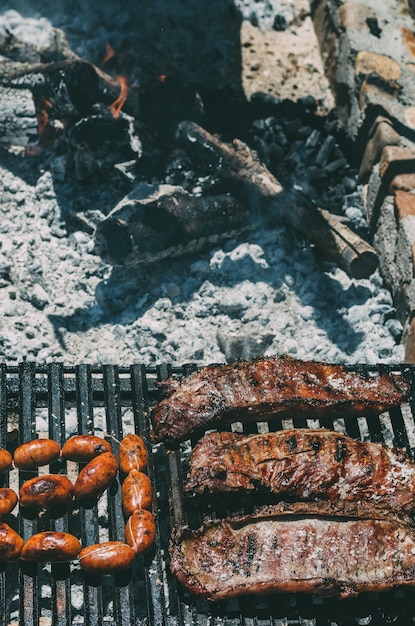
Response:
column 369, row 53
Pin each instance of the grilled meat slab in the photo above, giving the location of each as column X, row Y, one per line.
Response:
column 303, row 463
column 258, row 389
column 294, row 549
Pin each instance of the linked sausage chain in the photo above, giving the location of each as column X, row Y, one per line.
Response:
column 93, row 479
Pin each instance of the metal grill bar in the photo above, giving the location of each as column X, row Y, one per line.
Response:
column 60, row 401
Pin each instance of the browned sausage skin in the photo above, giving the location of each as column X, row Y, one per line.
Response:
column 6, row 461
column 51, row 547
column 84, row 448
column 136, row 492
column 8, row 500
column 11, row 543
column 45, row 491
column 133, row 453
column 109, row 557
column 96, row 476
column 140, row 531
column 36, row 453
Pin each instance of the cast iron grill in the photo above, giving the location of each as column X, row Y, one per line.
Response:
column 58, row 401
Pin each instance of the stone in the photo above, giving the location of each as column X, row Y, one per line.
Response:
column 409, row 40
column 381, row 134
column 404, row 204
column 385, row 243
column 370, row 93
column 410, row 115
column 410, row 343
column 369, row 63
column 355, row 14
column 397, row 168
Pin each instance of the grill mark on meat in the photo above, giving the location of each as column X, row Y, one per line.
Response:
column 291, row 548
column 291, row 443
column 323, row 464
column 268, row 386
column 340, row 451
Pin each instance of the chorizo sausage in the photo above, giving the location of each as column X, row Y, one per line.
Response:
column 11, row 543
column 136, row 492
column 45, row 491
column 109, row 557
column 83, row 448
column 6, row 461
column 51, row 547
column 95, row 477
column 8, row 500
column 132, row 453
column 140, row 531
column 35, row 453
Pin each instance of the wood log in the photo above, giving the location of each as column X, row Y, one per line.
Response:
column 156, row 222
column 72, row 86
column 251, row 181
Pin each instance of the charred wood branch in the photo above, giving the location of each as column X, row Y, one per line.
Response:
column 71, row 87
column 153, row 223
column 250, row 181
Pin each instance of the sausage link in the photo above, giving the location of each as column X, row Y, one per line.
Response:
column 96, row 476
column 140, row 531
column 8, row 500
column 6, row 461
column 136, row 492
column 35, row 453
column 51, row 547
column 132, row 453
column 109, row 557
column 45, row 491
column 11, row 543
column 84, row 448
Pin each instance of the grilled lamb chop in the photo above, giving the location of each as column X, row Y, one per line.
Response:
column 295, row 548
column 304, row 463
column 266, row 386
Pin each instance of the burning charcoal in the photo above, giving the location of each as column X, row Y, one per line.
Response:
column 313, row 140
column 291, row 127
column 325, row 151
column 276, row 153
column 336, row 165
column 259, row 125
column 154, row 223
column 316, row 174
column 308, row 103
column 279, row 23
column 373, row 26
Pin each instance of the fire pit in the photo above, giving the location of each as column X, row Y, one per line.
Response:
column 83, row 183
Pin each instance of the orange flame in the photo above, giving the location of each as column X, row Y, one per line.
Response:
column 110, row 53
column 117, row 105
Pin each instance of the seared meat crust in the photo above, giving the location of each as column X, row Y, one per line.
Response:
column 305, row 464
column 267, row 386
column 295, row 548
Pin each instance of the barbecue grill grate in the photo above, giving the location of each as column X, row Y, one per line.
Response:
column 58, row 401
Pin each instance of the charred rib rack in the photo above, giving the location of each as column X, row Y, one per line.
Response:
column 305, row 464
column 291, row 549
column 264, row 387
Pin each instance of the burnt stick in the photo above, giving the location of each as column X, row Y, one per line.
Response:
column 249, row 180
